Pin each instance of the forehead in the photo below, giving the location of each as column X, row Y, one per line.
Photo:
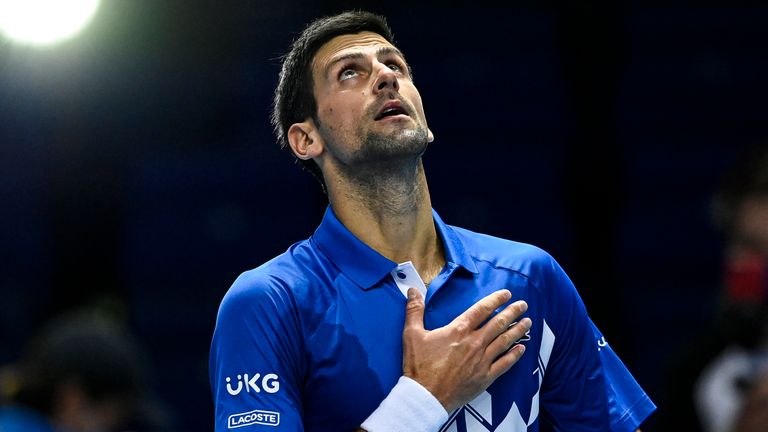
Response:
column 752, row 222
column 347, row 43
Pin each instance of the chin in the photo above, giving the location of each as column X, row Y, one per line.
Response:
column 387, row 148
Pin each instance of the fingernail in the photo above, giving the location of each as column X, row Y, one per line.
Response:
column 524, row 306
column 522, row 348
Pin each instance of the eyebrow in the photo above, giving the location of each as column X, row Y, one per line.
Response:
column 381, row 51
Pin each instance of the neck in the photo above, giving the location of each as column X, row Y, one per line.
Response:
column 390, row 210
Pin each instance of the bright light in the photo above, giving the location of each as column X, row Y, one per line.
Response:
column 45, row 22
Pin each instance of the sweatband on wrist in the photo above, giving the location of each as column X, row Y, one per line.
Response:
column 409, row 407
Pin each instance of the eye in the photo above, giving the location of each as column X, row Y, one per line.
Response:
column 395, row 67
column 347, row 73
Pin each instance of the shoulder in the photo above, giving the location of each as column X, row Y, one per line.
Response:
column 526, row 259
column 281, row 283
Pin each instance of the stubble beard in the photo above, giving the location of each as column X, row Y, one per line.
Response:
column 384, row 171
column 389, row 149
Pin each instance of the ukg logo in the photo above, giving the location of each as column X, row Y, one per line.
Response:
column 269, row 383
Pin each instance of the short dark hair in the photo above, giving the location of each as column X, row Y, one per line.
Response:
column 294, row 99
column 89, row 348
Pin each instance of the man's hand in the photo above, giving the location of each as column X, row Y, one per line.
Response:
column 457, row 362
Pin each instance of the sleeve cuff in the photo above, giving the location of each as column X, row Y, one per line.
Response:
column 409, row 407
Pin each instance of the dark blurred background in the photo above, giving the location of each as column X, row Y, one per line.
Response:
column 139, row 174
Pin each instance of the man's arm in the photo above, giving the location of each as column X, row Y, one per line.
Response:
column 255, row 357
column 586, row 387
column 451, row 365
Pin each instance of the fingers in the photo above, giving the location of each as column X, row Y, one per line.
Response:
column 505, row 362
column 480, row 311
column 414, row 310
column 502, row 321
column 508, row 338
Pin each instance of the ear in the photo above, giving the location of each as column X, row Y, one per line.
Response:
column 304, row 139
column 430, row 136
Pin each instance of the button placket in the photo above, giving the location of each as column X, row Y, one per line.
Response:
column 406, row 276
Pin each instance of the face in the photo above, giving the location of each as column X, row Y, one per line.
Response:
column 747, row 256
column 368, row 108
column 751, row 227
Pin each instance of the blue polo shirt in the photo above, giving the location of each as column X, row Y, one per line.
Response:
column 312, row 340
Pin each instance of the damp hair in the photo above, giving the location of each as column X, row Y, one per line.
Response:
column 294, row 99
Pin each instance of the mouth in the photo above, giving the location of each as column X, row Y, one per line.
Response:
column 391, row 109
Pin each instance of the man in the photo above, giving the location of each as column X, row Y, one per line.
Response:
column 723, row 375
column 83, row 373
column 387, row 319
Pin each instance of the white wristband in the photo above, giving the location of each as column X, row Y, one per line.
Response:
column 409, row 407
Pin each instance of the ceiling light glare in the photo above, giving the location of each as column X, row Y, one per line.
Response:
column 45, row 22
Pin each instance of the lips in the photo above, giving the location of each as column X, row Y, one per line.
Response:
column 391, row 109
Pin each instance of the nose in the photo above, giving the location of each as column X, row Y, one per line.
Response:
column 386, row 79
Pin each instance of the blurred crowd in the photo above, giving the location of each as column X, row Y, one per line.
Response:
column 721, row 383
column 82, row 373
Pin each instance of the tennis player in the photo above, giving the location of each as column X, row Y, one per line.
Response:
column 387, row 319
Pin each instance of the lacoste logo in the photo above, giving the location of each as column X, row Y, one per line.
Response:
column 526, row 337
column 267, row 418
